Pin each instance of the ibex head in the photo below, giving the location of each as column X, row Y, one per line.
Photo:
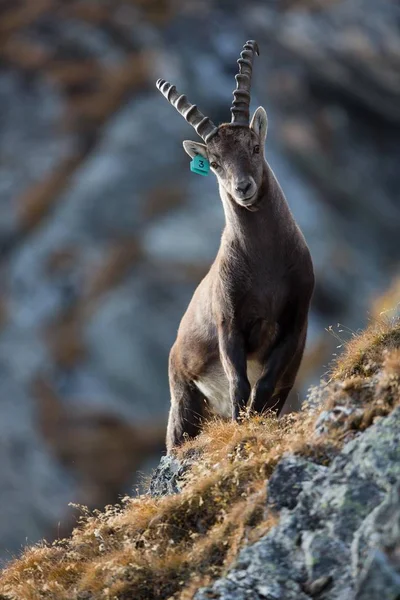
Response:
column 235, row 150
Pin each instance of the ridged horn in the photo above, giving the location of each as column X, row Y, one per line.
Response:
column 241, row 96
column 203, row 125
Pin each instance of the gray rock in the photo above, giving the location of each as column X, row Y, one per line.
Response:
column 381, row 529
column 288, row 479
column 267, row 570
column 343, row 503
column 324, row 554
column 167, row 477
column 335, row 416
column 309, row 551
column 378, row 579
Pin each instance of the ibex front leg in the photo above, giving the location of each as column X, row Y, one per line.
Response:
column 281, row 366
column 233, row 358
column 187, row 406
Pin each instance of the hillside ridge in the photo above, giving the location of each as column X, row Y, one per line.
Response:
column 303, row 507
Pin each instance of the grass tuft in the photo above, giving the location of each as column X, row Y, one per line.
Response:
column 365, row 353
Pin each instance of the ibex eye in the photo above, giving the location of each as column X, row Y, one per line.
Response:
column 214, row 165
column 256, row 149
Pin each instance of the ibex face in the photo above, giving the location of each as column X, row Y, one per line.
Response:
column 236, row 150
column 236, row 156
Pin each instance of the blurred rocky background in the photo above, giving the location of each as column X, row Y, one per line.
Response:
column 104, row 232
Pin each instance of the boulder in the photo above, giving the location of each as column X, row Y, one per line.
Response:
column 339, row 540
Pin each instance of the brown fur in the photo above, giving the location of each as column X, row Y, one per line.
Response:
column 253, row 303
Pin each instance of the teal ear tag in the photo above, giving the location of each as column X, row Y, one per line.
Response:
column 199, row 165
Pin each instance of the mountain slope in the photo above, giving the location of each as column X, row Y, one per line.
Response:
column 304, row 507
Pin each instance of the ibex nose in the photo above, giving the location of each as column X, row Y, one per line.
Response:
column 243, row 187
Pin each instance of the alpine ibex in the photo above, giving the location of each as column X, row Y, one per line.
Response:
column 243, row 334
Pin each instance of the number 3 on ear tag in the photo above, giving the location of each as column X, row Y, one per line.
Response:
column 200, row 165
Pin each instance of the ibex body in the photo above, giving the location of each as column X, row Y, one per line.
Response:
column 241, row 341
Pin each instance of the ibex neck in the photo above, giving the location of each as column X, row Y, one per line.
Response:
column 243, row 224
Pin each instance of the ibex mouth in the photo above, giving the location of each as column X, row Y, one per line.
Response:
column 253, row 207
column 251, row 203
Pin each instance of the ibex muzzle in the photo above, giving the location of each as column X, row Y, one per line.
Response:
column 241, row 340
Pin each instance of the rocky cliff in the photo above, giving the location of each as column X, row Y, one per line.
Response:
column 306, row 507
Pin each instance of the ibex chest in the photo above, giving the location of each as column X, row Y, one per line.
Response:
column 213, row 384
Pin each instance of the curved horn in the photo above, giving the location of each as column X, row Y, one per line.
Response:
column 203, row 125
column 241, row 96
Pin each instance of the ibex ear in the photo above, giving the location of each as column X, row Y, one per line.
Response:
column 259, row 124
column 193, row 148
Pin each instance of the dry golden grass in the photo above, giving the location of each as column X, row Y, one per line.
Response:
column 155, row 548
column 364, row 354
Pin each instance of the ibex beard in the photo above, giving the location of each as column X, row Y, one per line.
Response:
column 240, row 343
